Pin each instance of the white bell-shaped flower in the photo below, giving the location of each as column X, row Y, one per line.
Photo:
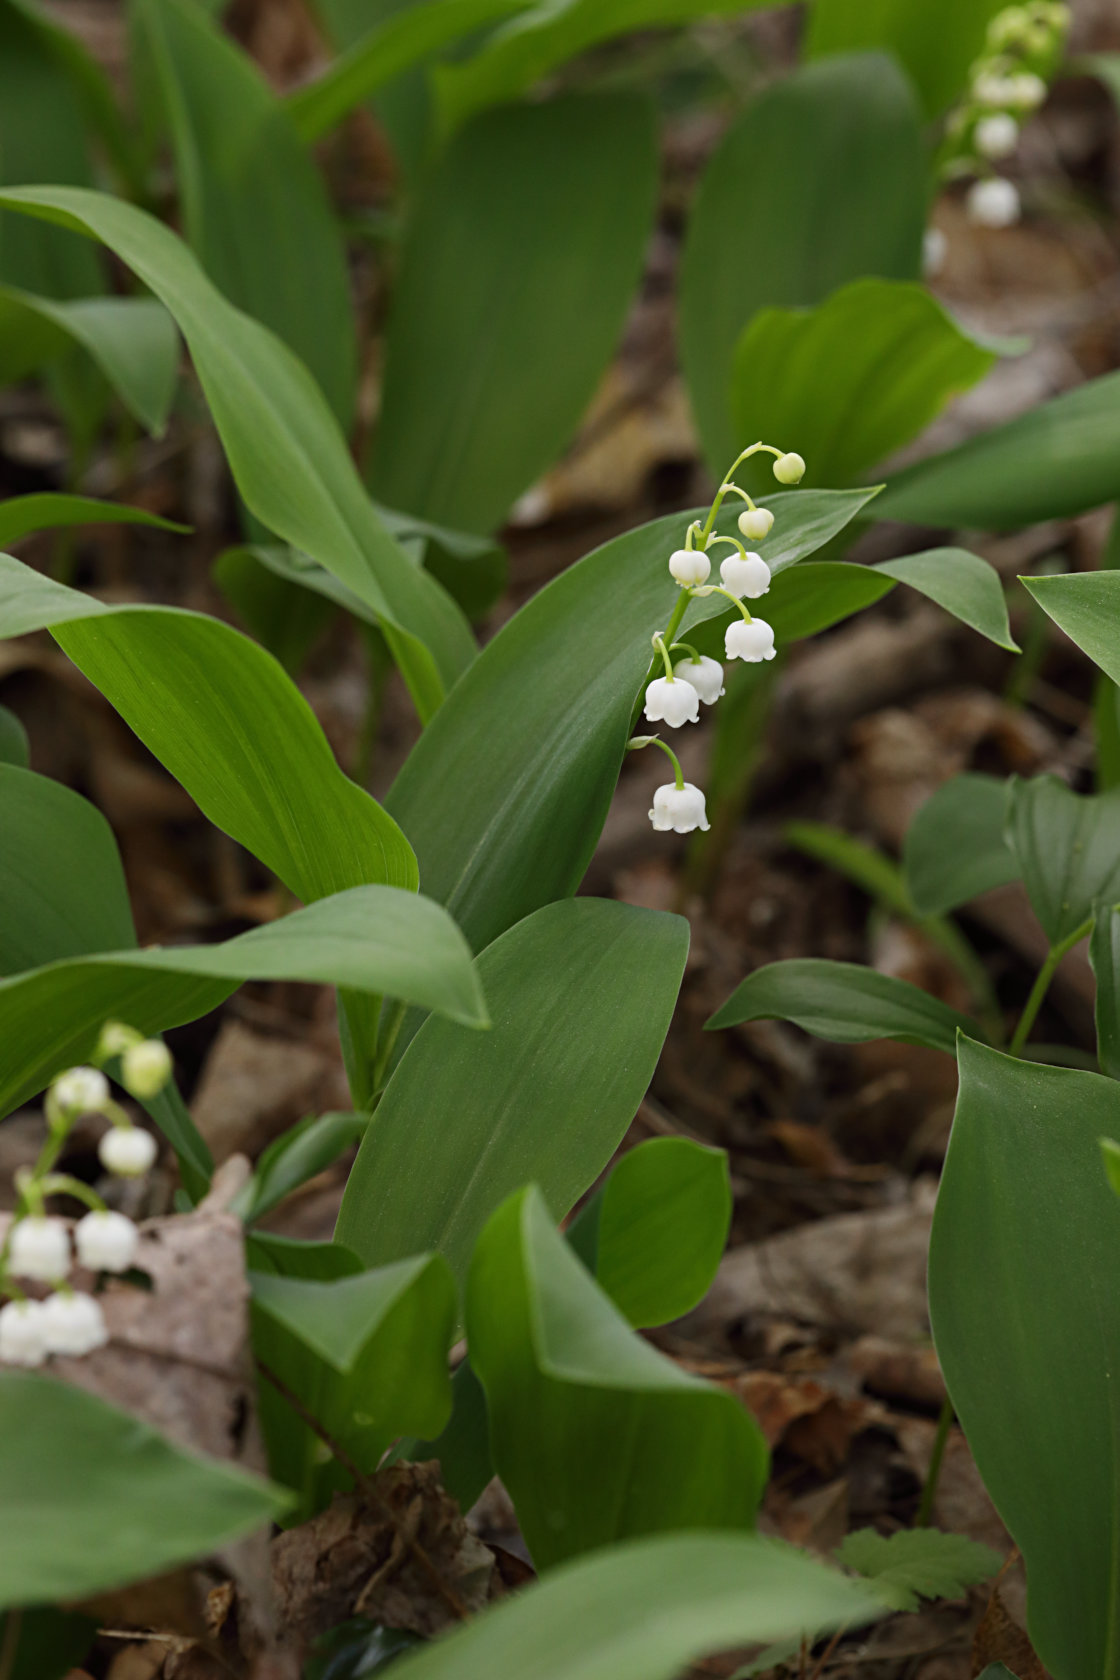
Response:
column 789, row 469
column 73, row 1324
column 690, row 566
column 996, row 136
column 935, row 248
column 106, row 1242
column 21, row 1333
column 993, row 89
column 752, row 642
column 680, row 809
column 146, row 1068
column 756, row 523
column 1026, row 91
column 993, row 203
column 81, row 1090
column 745, row 574
column 705, row 675
column 673, row 702
column 39, row 1248
column 127, row 1151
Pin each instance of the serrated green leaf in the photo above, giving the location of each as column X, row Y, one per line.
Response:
column 918, row 1563
column 843, row 1002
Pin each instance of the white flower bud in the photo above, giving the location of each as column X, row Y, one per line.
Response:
column 752, row 642
column 106, row 1242
column 127, row 1150
column 996, row 136
column 935, row 248
column 690, row 566
column 745, row 574
column 678, row 808
column 21, row 1333
column 39, row 1248
column 673, row 703
column 756, row 523
column 993, row 203
column 81, row 1090
column 146, row 1068
column 1026, row 91
column 705, row 676
column 73, row 1324
column 789, row 469
column 1006, row 28
column 991, row 89
column 116, row 1038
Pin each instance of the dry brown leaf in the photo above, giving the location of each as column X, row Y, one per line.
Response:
column 253, row 1088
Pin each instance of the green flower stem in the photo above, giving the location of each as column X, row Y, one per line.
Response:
column 718, row 589
column 61, row 1184
column 727, row 486
column 1042, row 986
column 733, row 541
column 686, row 647
column 933, row 1474
column 637, row 742
column 660, row 645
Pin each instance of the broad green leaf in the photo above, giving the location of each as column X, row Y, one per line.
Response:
column 291, row 1257
column 287, row 455
column 918, row 1563
column 20, row 516
column 855, row 378
column 962, row 584
column 1023, row 1265
column 1106, row 67
column 1057, row 460
column 14, row 745
column 1104, row 954
column 62, row 887
column 296, row 1156
column 1068, row 849
column 646, row 1610
column 285, row 617
column 554, row 691
column 48, row 1643
column 870, row 869
column 822, row 180
column 255, row 207
column 843, row 1002
column 466, row 1463
column 402, row 107
column 1085, row 605
column 597, row 1437
column 367, row 1357
column 581, row 994
column 520, row 262
column 1110, row 1157
column 545, row 36
column 812, row 597
column 94, row 1499
column 228, row 724
column 955, row 848
column 370, row 939
column 936, row 41
column 356, row 1649
column 652, row 1237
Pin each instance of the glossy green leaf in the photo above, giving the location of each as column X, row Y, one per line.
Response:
column 1055, row 461
column 255, row 207
column 854, row 379
column 87, row 1491
column 1023, row 1265
column 265, row 1251
column 581, row 994
column 597, row 1437
column 403, row 107
column 812, row 597
column 287, row 455
column 519, row 266
column 962, row 584
column 555, row 688
column 132, row 340
column 843, row 1002
column 48, row 1644
column 370, row 939
column 1068, row 849
column 285, row 617
column 1104, row 954
column 917, row 1563
column 366, row 1355
column 644, row 1611
column 14, row 745
column 936, row 41
column 291, row 1159
column 1110, row 1158
column 1085, row 605
column 62, row 887
column 652, row 1237
column 20, row 516
column 228, row 724
column 820, row 181
column 466, row 1463
column 955, row 847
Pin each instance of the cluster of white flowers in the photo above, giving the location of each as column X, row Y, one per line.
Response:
column 692, row 679
column 38, row 1247
column 1007, row 83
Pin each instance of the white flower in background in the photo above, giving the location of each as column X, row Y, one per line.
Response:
column 745, row 574
column 673, row 703
column 990, row 89
column 935, row 248
column 752, row 642
column 705, row 676
column 22, row 1341
column 756, row 523
column 127, row 1151
column 789, row 468
column 1026, row 91
column 73, row 1324
column 681, row 809
column 39, row 1248
column 106, row 1242
column 146, row 1068
column 996, row 136
column 993, row 203
column 115, row 1039
column 81, row 1090
column 689, row 566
